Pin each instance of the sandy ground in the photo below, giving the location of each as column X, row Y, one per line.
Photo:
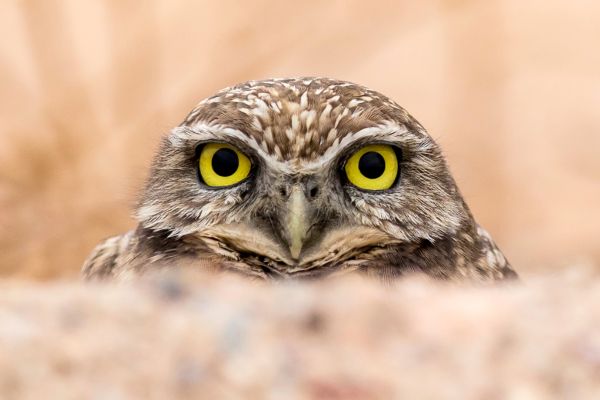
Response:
column 220, row 337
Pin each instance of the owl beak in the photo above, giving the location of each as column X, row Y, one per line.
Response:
column 297, row 221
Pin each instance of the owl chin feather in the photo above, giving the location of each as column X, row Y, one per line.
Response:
column 303, row 178
column 332, row 248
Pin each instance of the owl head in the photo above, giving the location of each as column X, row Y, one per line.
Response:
column 304, row 177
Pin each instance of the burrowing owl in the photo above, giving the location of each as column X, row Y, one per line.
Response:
column 301, row 178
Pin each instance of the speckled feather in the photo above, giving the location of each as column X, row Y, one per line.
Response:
column 298, row 132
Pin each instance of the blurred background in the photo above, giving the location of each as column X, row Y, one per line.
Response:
column 509, row 88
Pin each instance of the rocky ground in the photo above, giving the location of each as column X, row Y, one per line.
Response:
column 225, row 338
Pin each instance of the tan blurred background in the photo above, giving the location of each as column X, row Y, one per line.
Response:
column 510, row 89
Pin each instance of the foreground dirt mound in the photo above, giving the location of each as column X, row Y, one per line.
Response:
column 223, row 338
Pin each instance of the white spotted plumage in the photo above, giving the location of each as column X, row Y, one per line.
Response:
column 296, row 215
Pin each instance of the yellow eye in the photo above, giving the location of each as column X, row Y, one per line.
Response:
column 373, row 167
column 222, row 165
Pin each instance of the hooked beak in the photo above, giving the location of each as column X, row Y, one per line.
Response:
column 297, row 221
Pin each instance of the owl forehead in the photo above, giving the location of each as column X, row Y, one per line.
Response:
column 298, row 119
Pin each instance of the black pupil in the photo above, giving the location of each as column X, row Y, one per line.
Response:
column 371, row 165
column 225, row 162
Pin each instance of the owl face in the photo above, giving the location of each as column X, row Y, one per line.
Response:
column 301, row 175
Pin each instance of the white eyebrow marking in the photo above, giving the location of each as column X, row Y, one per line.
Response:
column 202, row 131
